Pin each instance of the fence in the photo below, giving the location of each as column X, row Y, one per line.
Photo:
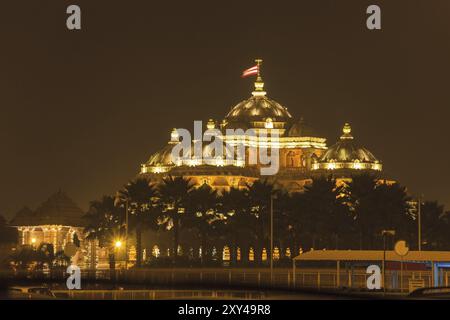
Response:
column 256, row 278
column 304, row 278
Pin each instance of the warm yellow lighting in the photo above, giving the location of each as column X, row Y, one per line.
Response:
column 331, row 166
column 276, row 253
column 211, row 124
column 226, row 253
column 268, row 124
column 159, row 169
column 174, row 136
column 118, row 244
column 357, row 165
column 220, row 162
column 33, row 240
column 347, row 129
column 251, row 254
column 264, row 255
column 288, row 252
column 155, row 251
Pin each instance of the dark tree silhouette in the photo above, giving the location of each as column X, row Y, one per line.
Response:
column 139, row 197
column 174, row 200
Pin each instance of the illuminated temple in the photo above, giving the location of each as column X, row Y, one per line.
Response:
column 302, row 153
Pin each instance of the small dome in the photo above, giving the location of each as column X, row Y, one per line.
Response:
column 301, row 129
column 162, row 157
column 346, row 154
column 258, row 108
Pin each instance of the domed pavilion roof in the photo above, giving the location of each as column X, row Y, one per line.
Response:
column 301, row 129
column 59, row 209
column 162, row 157
column 346, row 153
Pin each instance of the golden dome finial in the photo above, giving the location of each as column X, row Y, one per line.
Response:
column 174, row 136
column 347, row 129
column 211, row 124
column 259, row 84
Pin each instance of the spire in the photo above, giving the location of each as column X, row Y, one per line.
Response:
column 346, row 131
column 259, row 84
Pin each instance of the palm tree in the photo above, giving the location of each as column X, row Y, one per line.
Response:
column 292, row 221
column 139, row 197
column 435, row 225
column 390, row 206
column 202, row 207
column 173, row 201
column 239, row 224
column 361, row 191
column 288, row 222
column 326, row 216
column 259, row 195
column 103, row 220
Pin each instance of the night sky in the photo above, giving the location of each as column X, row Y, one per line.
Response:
column 81, row 110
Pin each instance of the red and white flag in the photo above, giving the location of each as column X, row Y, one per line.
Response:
column 250, row 71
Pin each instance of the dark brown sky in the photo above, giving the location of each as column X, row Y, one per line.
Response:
column 81, row 110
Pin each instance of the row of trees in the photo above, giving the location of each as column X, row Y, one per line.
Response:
column 349, row 216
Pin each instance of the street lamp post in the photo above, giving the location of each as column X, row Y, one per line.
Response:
column 126, row 235
column 271, row 239
column 384, row 233
column 117, row 246
column 419, row 224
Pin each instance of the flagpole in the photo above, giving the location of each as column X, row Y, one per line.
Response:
column 259, row 84
column 258, row 63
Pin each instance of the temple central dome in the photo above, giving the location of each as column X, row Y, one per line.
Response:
column 258, row 108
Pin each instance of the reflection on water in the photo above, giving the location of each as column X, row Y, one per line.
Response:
column 157, row 294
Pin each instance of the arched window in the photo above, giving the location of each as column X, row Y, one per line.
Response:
column 226, row 253
column 290, row 159
column 303, row 160
column 214, row 253
column 156, row 252
column 269, row 123
column 288, row 252
column 264, row 255
column 251, row 254
column 276, row 253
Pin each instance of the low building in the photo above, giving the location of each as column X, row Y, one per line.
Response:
column 57, row 221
